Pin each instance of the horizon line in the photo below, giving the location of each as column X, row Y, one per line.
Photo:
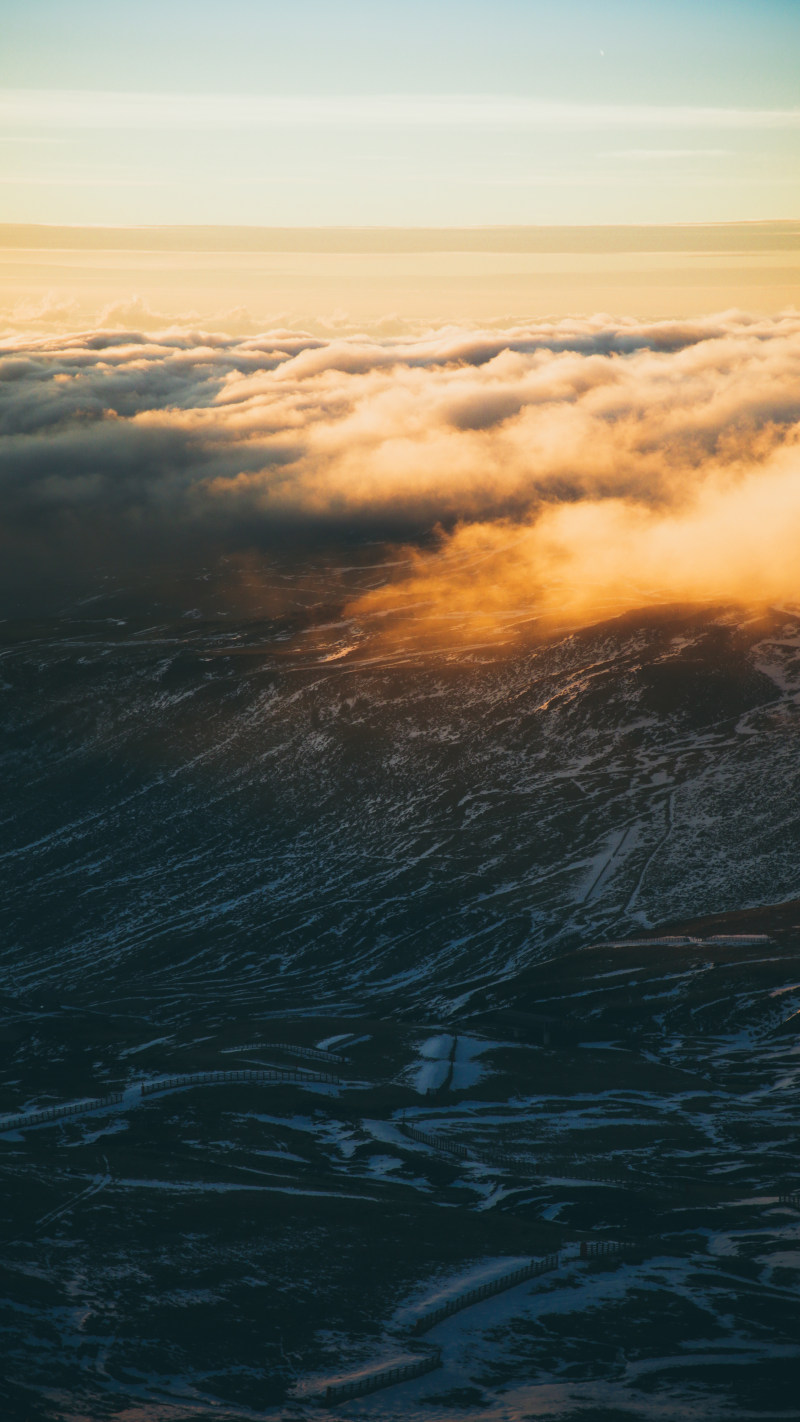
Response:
column 397, row 227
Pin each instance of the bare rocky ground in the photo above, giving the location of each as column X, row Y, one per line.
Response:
column 220, row 844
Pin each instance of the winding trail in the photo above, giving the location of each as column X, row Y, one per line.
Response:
column 126, row 1100
column 670, row 804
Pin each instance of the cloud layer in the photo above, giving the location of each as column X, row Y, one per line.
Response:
column 568, row 467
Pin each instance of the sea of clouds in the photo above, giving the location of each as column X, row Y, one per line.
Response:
column 557, row 467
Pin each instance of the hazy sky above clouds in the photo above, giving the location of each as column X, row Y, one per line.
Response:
column 476, row 112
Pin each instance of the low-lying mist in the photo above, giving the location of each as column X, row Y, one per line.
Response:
column 558, row 471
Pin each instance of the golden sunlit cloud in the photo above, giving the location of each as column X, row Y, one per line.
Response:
column 572, row 468
column 737, row 541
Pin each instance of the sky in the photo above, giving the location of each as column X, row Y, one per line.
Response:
column 408, row 114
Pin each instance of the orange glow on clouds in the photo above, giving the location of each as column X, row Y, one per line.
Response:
column 738, row 540
column 559, row 471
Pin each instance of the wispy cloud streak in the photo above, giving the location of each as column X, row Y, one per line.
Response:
column 88, row 109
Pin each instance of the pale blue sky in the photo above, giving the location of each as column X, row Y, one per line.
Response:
column 402, row 113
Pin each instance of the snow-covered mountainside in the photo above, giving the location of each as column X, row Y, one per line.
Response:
column 303, row 1036
column 228, row 1217
column 272, row 810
